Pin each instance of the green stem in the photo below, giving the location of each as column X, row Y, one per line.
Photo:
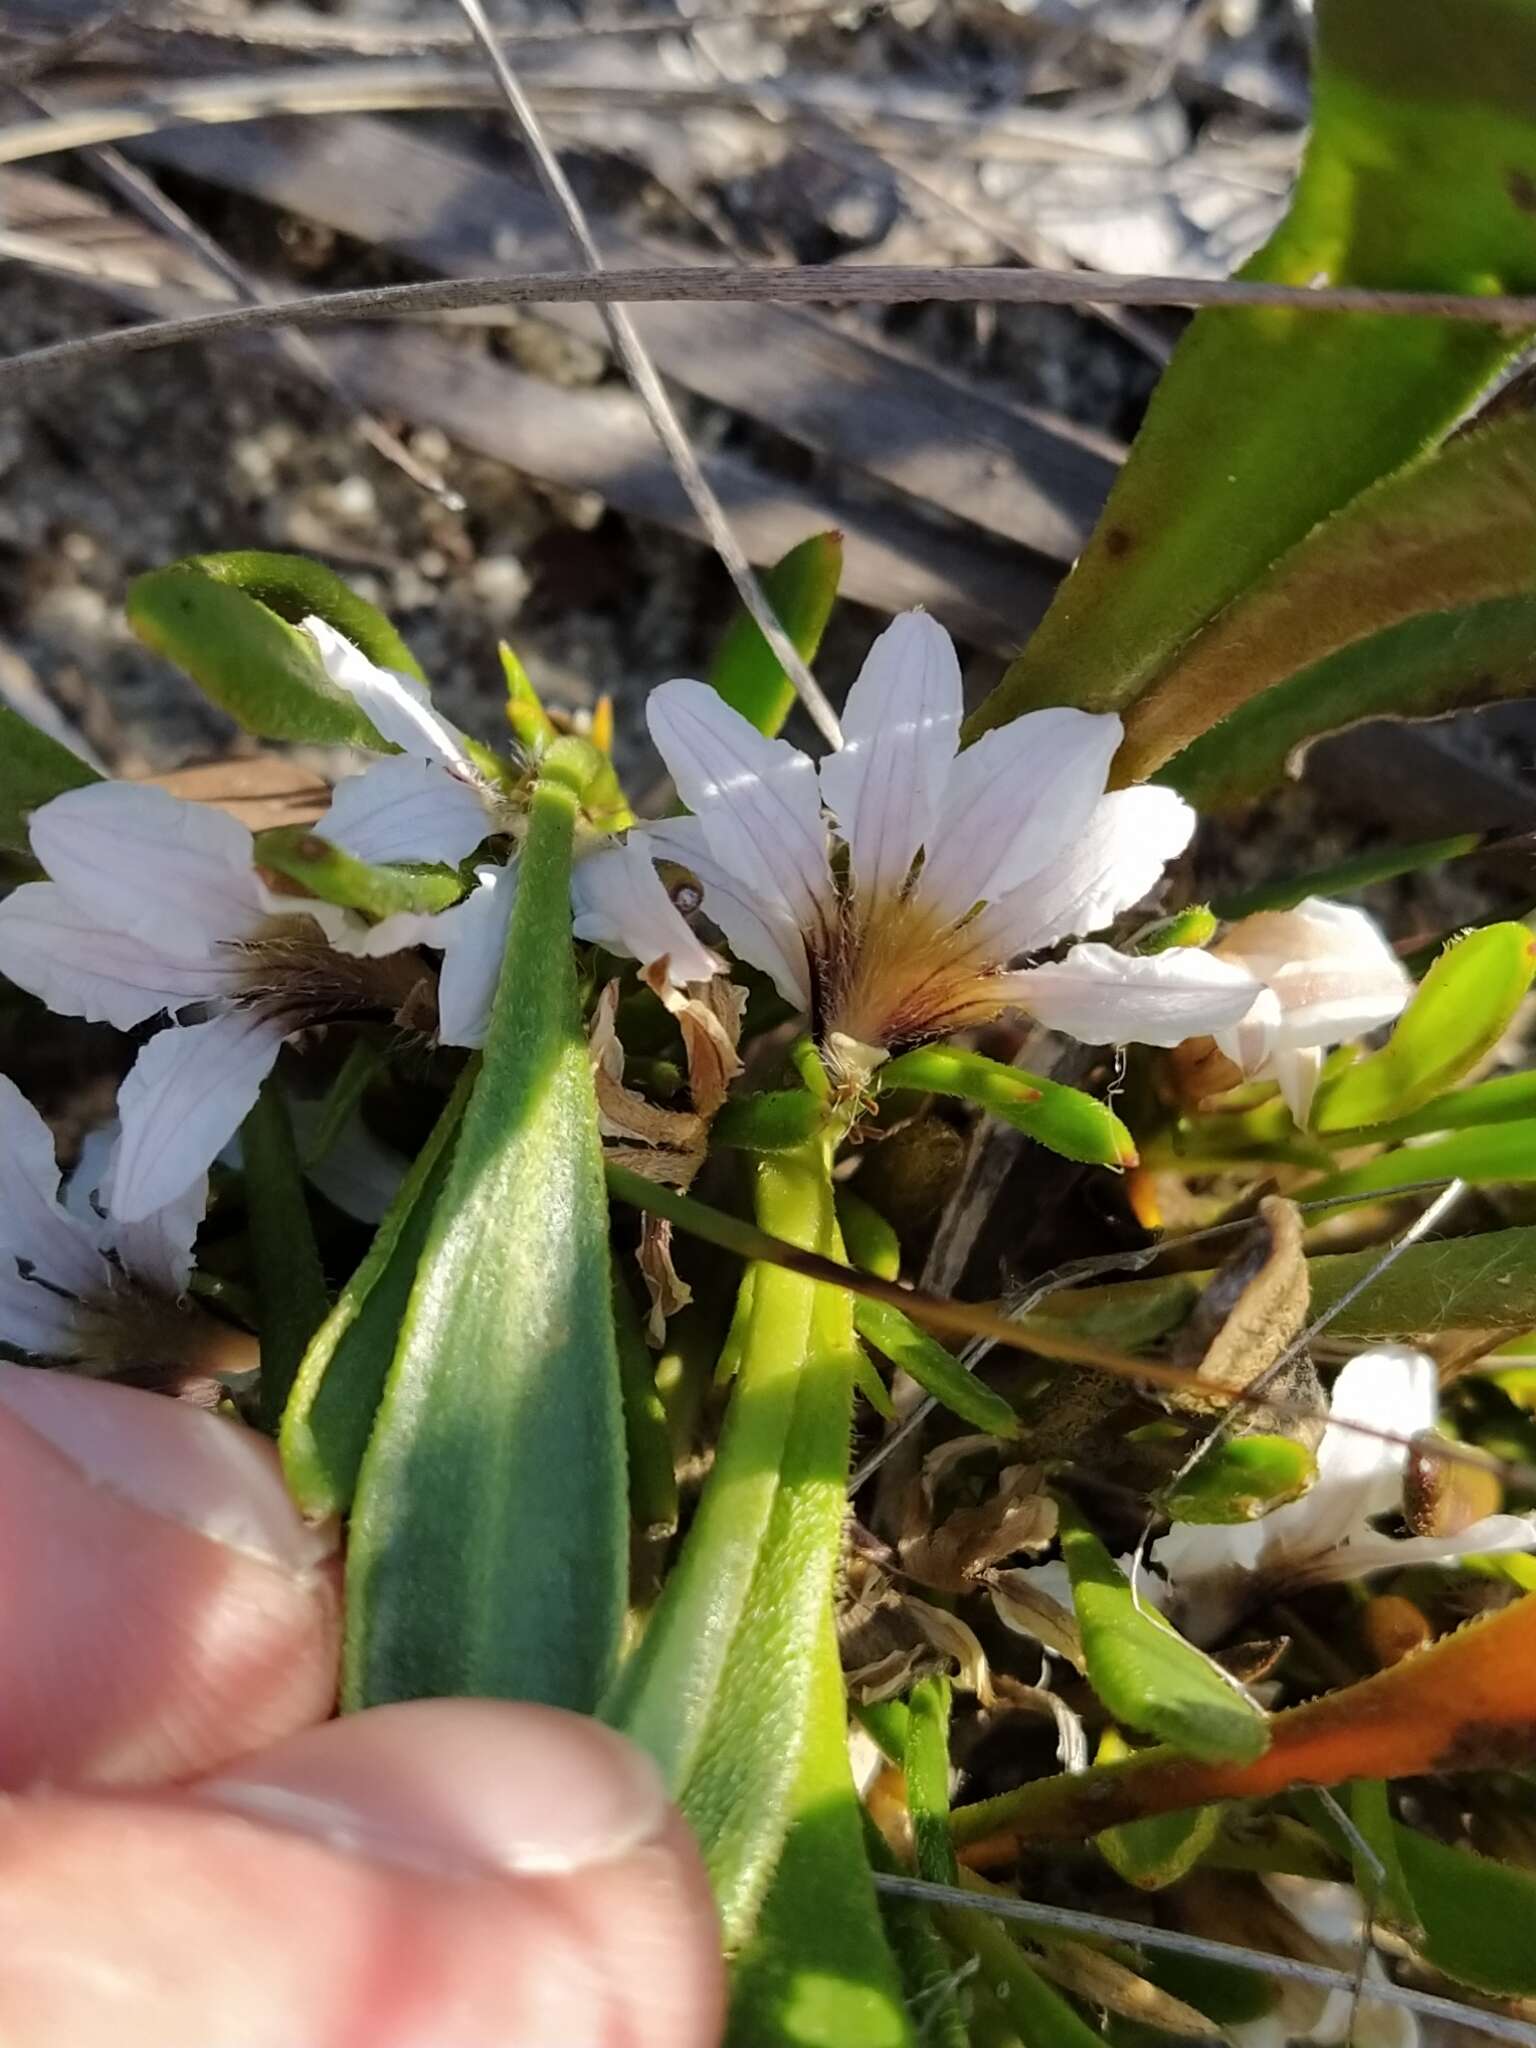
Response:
column 647, row 1438
column 290, row 1285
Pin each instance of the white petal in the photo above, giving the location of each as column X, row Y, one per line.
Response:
column 473, row 936
column 399, row 708
column 1298, row 1069
column 760, row 932
column 59, row 953
column 1331, row 969
column 1119, row 857
column 34, row 1320
column 401, row 809
column 150, row 866
column 186, row 1095
column 1250, row 1043
column 1014, row 802
column 756, row 799
column 619, row 902
column 33, row 1223
column 1110, row 998
column 1393, row 1389
column 157, row 1250
column 901, row 725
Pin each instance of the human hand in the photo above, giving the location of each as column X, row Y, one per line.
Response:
column 200, row 1859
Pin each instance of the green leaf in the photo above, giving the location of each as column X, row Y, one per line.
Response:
column 327, row 872
column 929, row 1977
column 1064, row 1119
column 1145, row 1673
column 265, row 673
column 33, row 769
column 1152, row 1854
column 1506, row 1099
column 819, row 1972
column 1242, row 1477
column 648, row 1442
column 1452, row 532
column 296, row 588
column 1480, row 654
column 1484, row 1156
column 490, row 1533
column 341, row 1377
column 801, row 587
column 1044, row 2018
column 290, row 1286
column 1462, row 1009
column 1343, row 877
column 871, row 1243
column 925, row 1764
column 937, row 1371
column 718, row 1688
column 1477, row 1915
column 1421, row 154
column 779, row 1120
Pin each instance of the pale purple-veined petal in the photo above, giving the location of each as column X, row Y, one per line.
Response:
column 399, row 708
column 1297, row 1069
column 34, row 1226
column 406, row 810
column 185, row 1096
column 761, row 933
column 757, row 800
column 157, row 1249
column 473, row 936
column 1013, row 802
column 1371, row 1551
column 62, row 955
column 175, row 876
column 619, row 902
column 901, row 725
column 1109, row 998
column 1392, row 1389
column 1119, row 857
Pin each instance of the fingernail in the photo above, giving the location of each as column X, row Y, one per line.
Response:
column 206, row 1473
column 457, row 1787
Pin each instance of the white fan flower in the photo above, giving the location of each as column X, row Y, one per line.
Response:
column 431, row 803
column 887, row 891
column 154, row 906
column 82, row 1285
column 1216, row 1572
column 1328, row 975
column 1326, row 1922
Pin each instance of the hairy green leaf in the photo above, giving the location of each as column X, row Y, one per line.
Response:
column 1462, row 1009
column 334, row 876
column 801, row 587
column 1483, row 1156
column 290, row 1285
column 1418, row 171
column 296, row 588
column 33, row 768
column 1476, row 1915
column 341, row 1377
column 1148, row 1677
column 490, row 1531
column 1453, row 531
column 1241, row 1477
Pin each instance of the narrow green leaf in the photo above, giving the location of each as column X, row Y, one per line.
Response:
column 532, row 726
column 296, row 588
column 324, row 870
column 937, row 1371
column 1477, row 1915
column 1244, row 1476
column 1483, row 1157
column 341, row 1377
column 265, row 673
column 1145, row 1673
column 33, row 769
column 925, row 1764
column 801, row 587
column 929, row 1975
column 1266, row 421
column 1343, row 877
column 1044, row 2018
column 1153, row 1854
column 647, row 1440
column 341, row 1101
column 1506, row 1099
column 1462, row 1009
column 1454, row 531
column 818, row 1972
column 490, row 1532
column 1064, row 1119
column 1193, row 926
column 290, row 1286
